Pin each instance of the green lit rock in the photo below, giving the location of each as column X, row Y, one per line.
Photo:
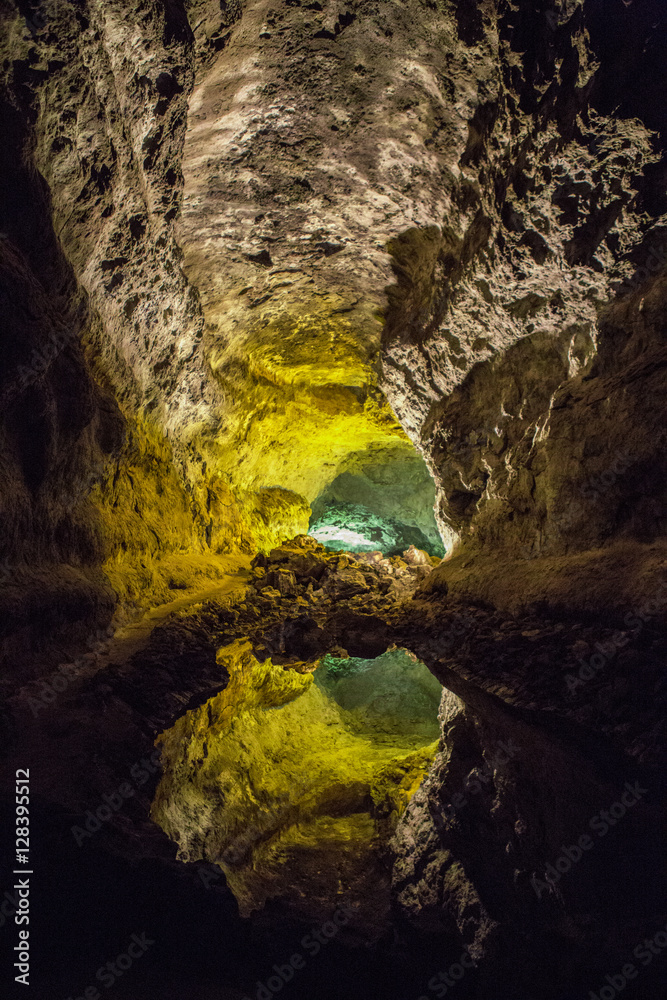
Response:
column 394, row 691
column 383, row 501
column 351, row 527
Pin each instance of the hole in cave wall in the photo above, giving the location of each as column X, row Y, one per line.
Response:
column 384, row 501
column 292, row 781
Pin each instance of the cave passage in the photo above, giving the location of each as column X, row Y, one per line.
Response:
column 292, row 782
column 334, row 497
column 383, row 503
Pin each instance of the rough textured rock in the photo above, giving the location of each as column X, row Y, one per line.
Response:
column 529, row 315
column 387, row 499
column 513, row 204
column 232, row 237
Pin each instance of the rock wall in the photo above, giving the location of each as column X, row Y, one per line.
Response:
column 231, row 234
column 214, row 379
column 528, row 317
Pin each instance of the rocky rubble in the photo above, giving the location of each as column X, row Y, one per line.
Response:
column 307, row 571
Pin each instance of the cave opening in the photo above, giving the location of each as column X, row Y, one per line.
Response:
column 380, row 502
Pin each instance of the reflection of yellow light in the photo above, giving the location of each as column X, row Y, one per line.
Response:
column 301, row 397
column 274, row 765
column 332, row 533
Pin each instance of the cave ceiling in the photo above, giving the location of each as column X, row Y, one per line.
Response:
column 395, row 274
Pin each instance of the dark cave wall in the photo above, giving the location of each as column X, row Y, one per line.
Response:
column 524, row 350
column 57, row 422
column 530, row 321
column 58, row 426
column 509, row 798
column 100, row 331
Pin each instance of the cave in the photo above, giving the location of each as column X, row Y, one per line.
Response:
column 333, row 481
column 291, row 782
column 382, row 503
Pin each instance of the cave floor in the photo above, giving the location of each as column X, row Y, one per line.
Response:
column 133, row 635
column 123, row 876
column 53, row 734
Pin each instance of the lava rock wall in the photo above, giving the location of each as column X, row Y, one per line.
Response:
column 229, row 236
column 524, row 337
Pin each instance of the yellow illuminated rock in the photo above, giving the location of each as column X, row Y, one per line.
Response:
column 300, row 408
